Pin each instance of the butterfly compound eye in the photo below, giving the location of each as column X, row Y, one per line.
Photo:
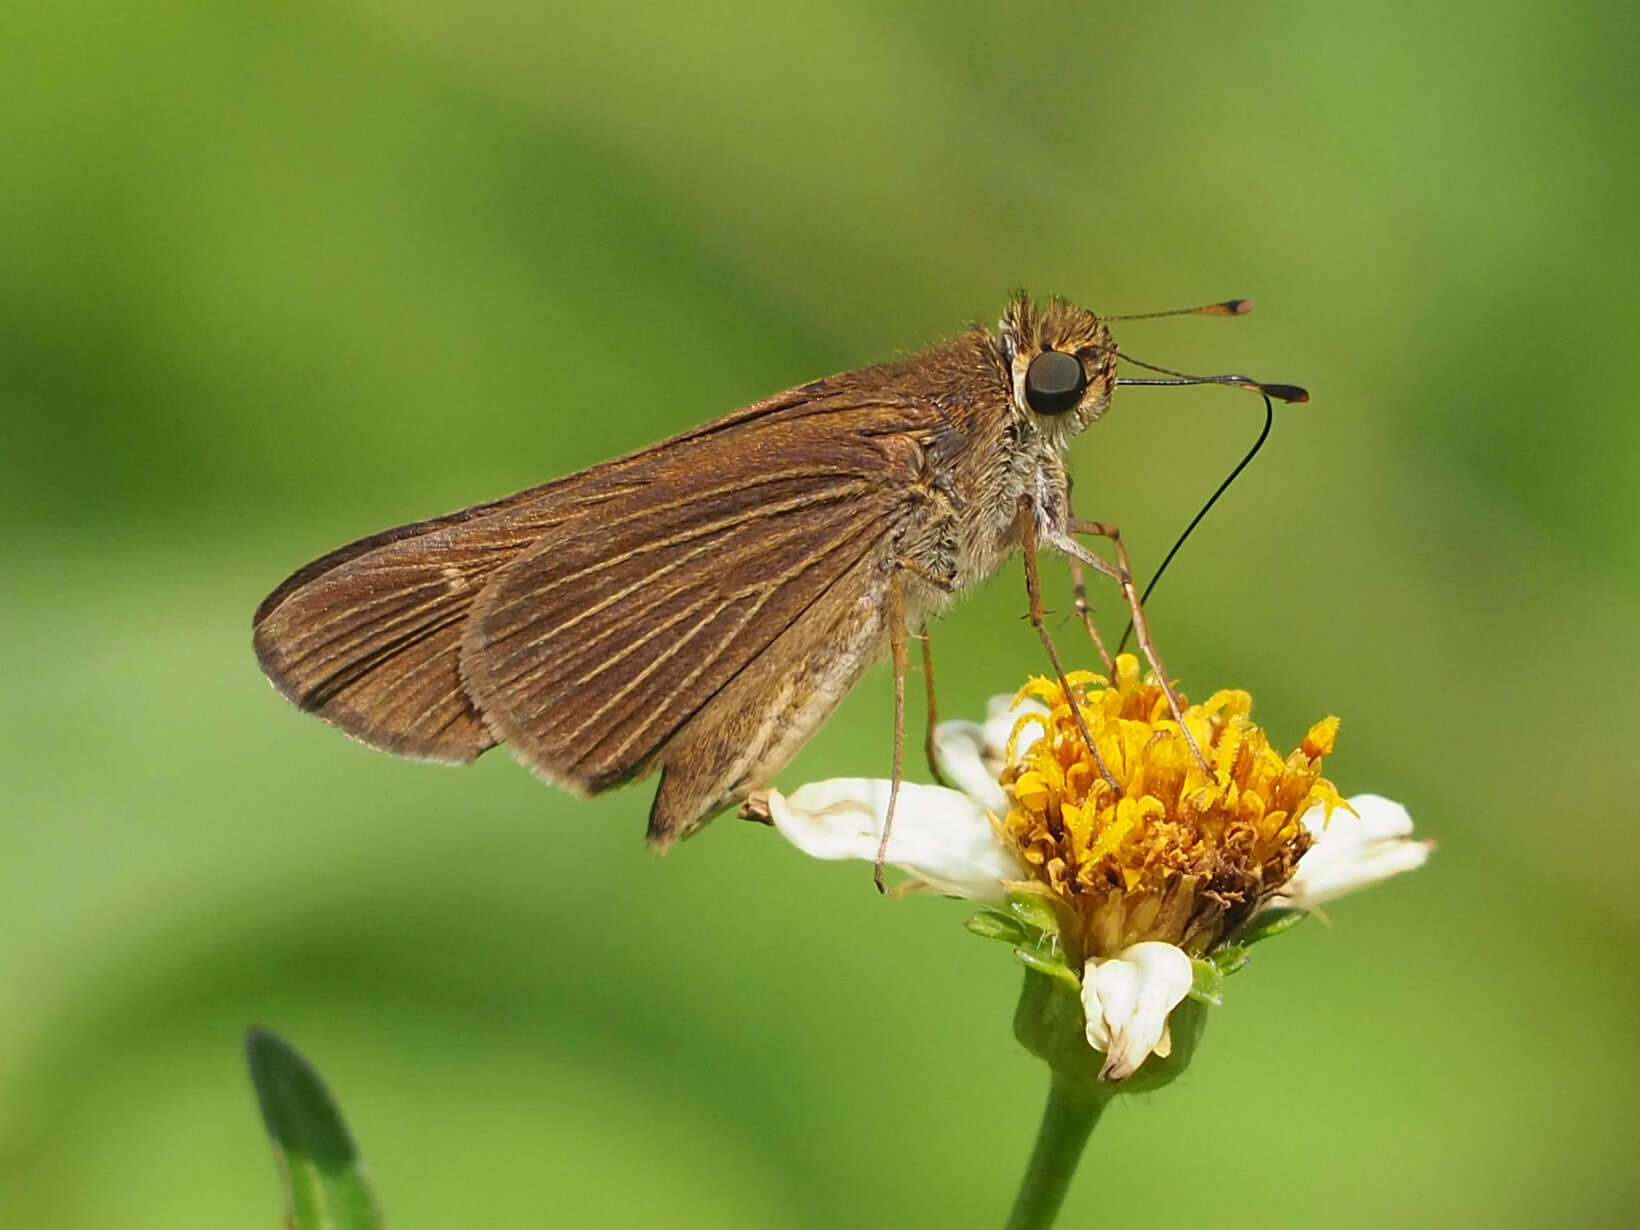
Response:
column 1054, row 382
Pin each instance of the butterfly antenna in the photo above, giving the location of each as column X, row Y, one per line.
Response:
column 1228, row 307
column 1281, row 392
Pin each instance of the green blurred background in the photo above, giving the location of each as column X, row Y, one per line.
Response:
column 272, row 277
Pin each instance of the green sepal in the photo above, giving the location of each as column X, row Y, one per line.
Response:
column 325, row 1188
column 1048, row 1022
column 1211, row 971
column 1207, row 985
column 995, row 925
column 1052, row 963
column 1035, row 908
column 1270, row 922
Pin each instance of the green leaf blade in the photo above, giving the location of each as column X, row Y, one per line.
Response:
column 325, row 1187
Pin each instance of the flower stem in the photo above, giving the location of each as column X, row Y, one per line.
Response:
column 1067, row 1122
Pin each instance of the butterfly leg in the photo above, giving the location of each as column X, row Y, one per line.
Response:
column 897, row 649
column 1084, row 612
column 1122, row 573
column 933, row 709
column 896, row 641
column 1038, row 615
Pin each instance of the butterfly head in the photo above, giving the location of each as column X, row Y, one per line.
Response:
column 1063, row 364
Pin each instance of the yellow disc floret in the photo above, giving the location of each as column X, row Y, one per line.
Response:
column 1171, row 852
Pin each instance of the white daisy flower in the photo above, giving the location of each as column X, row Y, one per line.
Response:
column 1136, row 896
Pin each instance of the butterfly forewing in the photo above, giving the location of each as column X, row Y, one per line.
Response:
column 588, row 621
column 368, row 637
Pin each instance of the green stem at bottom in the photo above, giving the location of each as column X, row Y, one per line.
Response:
column 1067, row 1122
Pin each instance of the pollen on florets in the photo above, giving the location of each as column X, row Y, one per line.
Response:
column 1173, row 853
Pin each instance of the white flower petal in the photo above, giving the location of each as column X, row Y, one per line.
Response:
column 1352, row 851
column 970, row 754
column 959, row 747
column 941, row 837
column 1126, row 1000
column 1001, row 713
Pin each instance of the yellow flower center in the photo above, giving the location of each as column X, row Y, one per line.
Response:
column 1175, row 854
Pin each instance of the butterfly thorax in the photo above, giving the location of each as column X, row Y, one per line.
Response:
column 989, row 448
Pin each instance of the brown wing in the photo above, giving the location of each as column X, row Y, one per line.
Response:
column 585, row 583
column 368, row 636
